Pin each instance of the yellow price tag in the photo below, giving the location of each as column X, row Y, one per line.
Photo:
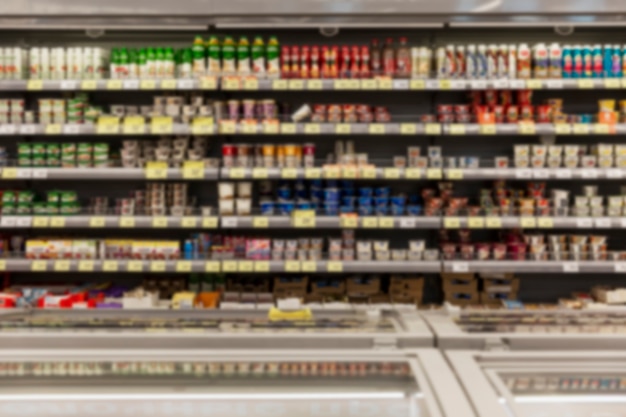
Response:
column 296, row 84
column 157, row 266
column 306, row 222
column 341, row 85
column 209, row 223
column 108, row 125
column 260, row 173
column 88, row 85
column 271, row 127
column 261, row 266
column 585, row 84
column 62, row 266
column 526, row 128
column 54, row 129
column 451, row 222
column 309, row 266
column 534, row 84
column 3, row 265
column 250, row 83
column 545, row 222
column 455, row 174
column 385, row 84
column 528, row 222
column 457, row 129
column 34, row 85
column 147, row 84
column 445, row 84
column 127, row 222
column 249, row 128
column 231, row 83
column 369, row 222
column 489, row 129
column 314, row 85
column 417, row 85
column 580, row 129
column 85, row 266
column 432, row 129
column 245, row 266
column 193, row 170
column 493, row 223
column 292, row 266
column 391, row 173
column 289, row 173
column 612, row 83
column 97, row 222
column 279, row 85
column 228, row 127
column 413, row 173
column 434, row 173
column 208, row 83
column 159, row 222
column 349, row 222
column 134, row 125
column 343, row 129
column 134, row 266
column 334, row 266
column 229, row 266
column 349, row 172
column 312, row 128
column 212, row 266
column 312, row 173
column 9, row 173
column 156, row 170
column 386, row 222
column 39, row 266
column 189, row 222
column 369, row 85
column 237, row 173
column 168, row 84
column 601, row 128
column 376, row 129
column 368, row 173
column 562, row 129
column 183, row 266
column 408, row 129
column 57, row 222
column 332, row 173
column 41, row 221
column 475, row 222
column 109, row 266
column 162, row 125
column 202, row 125
column 114, row 85
column 260, row 222
column 288, row 128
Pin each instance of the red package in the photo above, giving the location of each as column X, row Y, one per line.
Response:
column 314, row 67
column 295, row 61
column 344, row 66
column 285, row 59
column 365, row 62
column 524, row 96
column 304, row 63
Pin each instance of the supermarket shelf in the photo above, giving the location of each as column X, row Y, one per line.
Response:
column 241, row 266
column 540, row 267
column 110, row 222
column 100, row 174
column 539, row 173
column 532, row 222
column 333, row 222
column 252, row 84
column 331, row 173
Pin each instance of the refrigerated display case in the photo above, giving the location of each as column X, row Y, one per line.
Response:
column 247, row 383
column 211, row 329
column 557, row 383
column 529, row 329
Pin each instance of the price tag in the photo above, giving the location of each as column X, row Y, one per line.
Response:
column 460, row 267
column 69, row 85
column 340, row 85
column 209, row 223
column 54, row 129
column 455, row 174
column 407, row 223
column 109, row 266
column 432, row 129
column 127, row 222
column 8, row 221
column 457, row 129
column 386, row 222
column 385, row 84
column 434, row 173
column 451, row 222
column 620, row 267
column 24, row 173
column 408, row 129
column 571, row 267
column 563, row 173
column 585, row 84
column 584, row 223
column 261, row 266
column 296, row 84
column 332, row 173
column 147, row 85
column 41, row 221
column 534, row 84
column 134, row 266
column 193, row 170
column 61, row 266
column 603, row 223
column 589, row 173
column 369, row 222
column 157, row 266
column 289, row 173
column 349, row 172
column 288, row 128
column 249, row 128
column 108, row 125
column 130, row 84
column 554, row 84
column 368, row 173
column 504, row 85
column 292, row 266
column 85, row 266
column 189, row 222
column 9, row 173
column 376, row 129
column 260, row 222
column 202, row 125
column 580, row 129
column 312, row 128
column 349, row 222
column 24, row 221
column 279, row 85
column 479, row 85
column 156, row 170
column 250, row 83
column 601, row 129
column 212, row 266
column 245, row 266
column 309, row 266
column 306, row 222
column 161, row 125
column 97, row 222
column 445, row 84
column 369, row 85
column 612, row 83
column 39, row 266
column 312, row 173
column 528, row 222
column 541, row 173
column 227, row 127
column 562, row 129
column 230, row 222
column 183, row 266
column 134, row 125
column 260, row 173
column 57, row 222
column 229, row 266
column 391, row 173
column 493, row 223
column 334, row 266
column 159, row 222
column 168, row 84
column 523, row 173
column 27, row 129
column 34, row 85
column 526, row 128
column 343, row 129
column 475, row 222
column 314, row 85
column 417, row 84
column 237, row 173
column 413, row 173
column 114, row 85
column 545, row 222
column 614, row 173
column 89, row 85
column 488, row 129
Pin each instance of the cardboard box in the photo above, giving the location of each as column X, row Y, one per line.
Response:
column 295, row 284
column 408, row 285
column 462, row 299
column 496, row 298
column 361, row 287
column 452, row 286
column 468, row 276
column 501, row 286
column 328, row 287
column 402, row 299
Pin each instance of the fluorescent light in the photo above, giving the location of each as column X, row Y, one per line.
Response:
column 569, row 399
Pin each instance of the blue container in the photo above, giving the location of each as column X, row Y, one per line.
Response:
column 366, row 210
column 586, row 118
column 347, row 209
column 348, row 192
column 399, row 200
column 397, row 210
column 366, row 192
column 381, row 201
column 414, row 199
column 381, row 210
column 331, row 209
column 331, row 195
column 316, row 183
column 319, row 194
column 267, row 207
column 414, row 210
column 286, row 207
column 304, row 205
column 302, row 194
column 382, row 192
column 348, row 201
column 365, row 201
column 284, row 192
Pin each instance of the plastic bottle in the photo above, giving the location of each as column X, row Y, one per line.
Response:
column 597, row 66
column 365, row 70
column 243, row 56
column 503, row 61
column 199, row 61
column 142, row 61
column 403, row 60
column 375, row 58
column 460, row 61
column 555, row 54
column 152, row 63
column 577, row 61
column 450, row 61
column 607, row 61
column 272, row 53
column 35, row 64
column 88, row 70
column 587, row 62
column 122, row 68
column 258, row 57
column 214, row 55
column 523, row 61
column 229, row 66
column 314, row 70
column 618, row 61
column 567, row 62
column 482, row 63
column 160, row 63
column 169, row 63
column 185, row 66
column 541, row 60
column 440, row 64
column 389, row 58
column 492, row 61
column 45, row 63
column 512, row 61
column 133, row 65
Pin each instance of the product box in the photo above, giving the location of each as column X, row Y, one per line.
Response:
column 252, row 285
column 459, row 283
column 36, row 249
column 285, row 287
column 462, row 299
column 362, row 286
column 328, row 287
column 407, row 285
column 609, row 295
column 500, row 286
column 60, row 249
column 84, row 249
column 491, row 298
column 139, row 299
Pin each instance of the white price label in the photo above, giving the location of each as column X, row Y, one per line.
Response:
column 570, row 267
column 460, row 267
column 40, row 173
column 71, row 129
column 554, row 84
column 614, row 173
column 603, row 223
column 8, row 221
column 620, row 266
column 69, row 85
column 458, row 85
column 541, row 173
column 8, row 129
column 27, row 129
column 523, row 173
column 624, row 223
column 585, row 223
column 400, row 84
column 407, row 223
column 563, row 173
column 185, row 84
column 589, row 173
column 229, row 222
column 503, row 85
column 432, row 84
column 24, row 173
column 130, row 84
column 25, row 221
column 517, row 85
column 479, row 85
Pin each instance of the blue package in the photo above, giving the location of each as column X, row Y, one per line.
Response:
column 331, row 209
column 284, row 192
column 348, row 192
column 286, row 207
column 382, row 210
column 399, row 200
column 365, row 201
column 347, row 209
column 348, row 201
column 331, row 195
column 366, row 191
column 381, row 201
column 366, row 210
column 414, row 209
column 267, row 207
column 303, row 205
column 397, row 210
column 382, row 192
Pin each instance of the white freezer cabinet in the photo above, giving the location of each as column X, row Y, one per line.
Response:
column 529, row 329
column 211, row 329
column 534, row 384
column 251, row 383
